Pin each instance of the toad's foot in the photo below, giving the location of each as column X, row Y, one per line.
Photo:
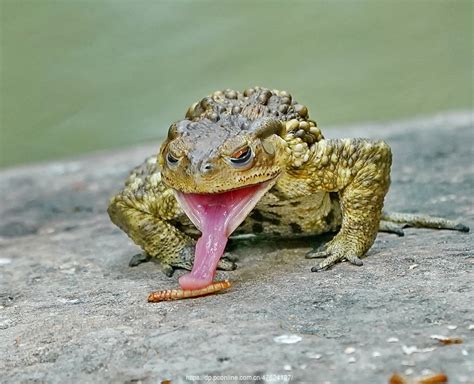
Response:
column 226, row 263
column 335, row 251
column 138, row 259
column 185, row 260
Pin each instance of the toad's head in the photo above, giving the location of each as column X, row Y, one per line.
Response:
column 219, row 171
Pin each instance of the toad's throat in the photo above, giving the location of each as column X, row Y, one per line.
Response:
column 216, row 216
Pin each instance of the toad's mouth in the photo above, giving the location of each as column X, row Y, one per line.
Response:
column 216, row 215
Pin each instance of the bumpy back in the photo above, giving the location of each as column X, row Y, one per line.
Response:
column 255, row 103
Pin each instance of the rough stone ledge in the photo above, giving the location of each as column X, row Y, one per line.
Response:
column 71, row 310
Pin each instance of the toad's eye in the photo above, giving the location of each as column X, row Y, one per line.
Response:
column 171, row 160
column 242, row 157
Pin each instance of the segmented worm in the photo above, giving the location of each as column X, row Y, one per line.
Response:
column 179, row 294
column 437, row 378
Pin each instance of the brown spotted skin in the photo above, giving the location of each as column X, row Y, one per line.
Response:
column 318, row 185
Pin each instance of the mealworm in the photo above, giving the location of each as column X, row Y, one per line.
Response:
column 179, row 294
column 396, row 378
column 437, row 378
column 450, row 340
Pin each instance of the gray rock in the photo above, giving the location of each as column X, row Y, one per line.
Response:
column 71, row 310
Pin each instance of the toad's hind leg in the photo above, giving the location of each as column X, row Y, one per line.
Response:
column 392, row 220
column 389, row 227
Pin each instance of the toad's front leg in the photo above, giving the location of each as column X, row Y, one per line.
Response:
column 359, row 170
column 148, row 220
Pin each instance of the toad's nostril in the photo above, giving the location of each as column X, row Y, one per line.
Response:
column 206, row 167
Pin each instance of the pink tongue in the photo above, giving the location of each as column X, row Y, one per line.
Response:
column 209, row 249
column 215, row 216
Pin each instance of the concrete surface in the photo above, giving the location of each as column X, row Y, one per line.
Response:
column 72, row 311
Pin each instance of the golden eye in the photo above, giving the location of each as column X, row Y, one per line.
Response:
column 242, row 157
column 171, row 159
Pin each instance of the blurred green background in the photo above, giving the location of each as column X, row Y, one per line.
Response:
column 79, row 76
